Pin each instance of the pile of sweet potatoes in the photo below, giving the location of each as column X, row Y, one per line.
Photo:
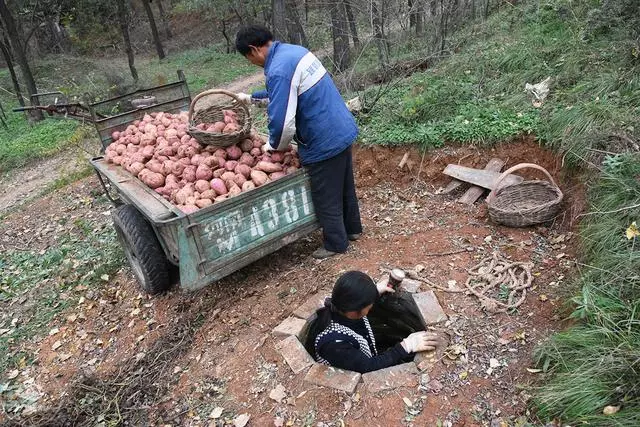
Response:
column 158, row 150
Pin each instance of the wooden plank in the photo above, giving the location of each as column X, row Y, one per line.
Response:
column 472, row 194
column 452, row 186
column 480, row 177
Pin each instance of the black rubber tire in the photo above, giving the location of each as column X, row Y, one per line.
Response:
column 143, row 250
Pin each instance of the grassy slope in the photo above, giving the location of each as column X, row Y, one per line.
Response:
column 95, row 79
column 476, row 96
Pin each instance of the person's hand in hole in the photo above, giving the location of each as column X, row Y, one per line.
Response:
column 383, row 286
column 421, row 341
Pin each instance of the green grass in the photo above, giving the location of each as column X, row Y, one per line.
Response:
column 597, row 362
column 94, row 79
column 44, row 282
column 477, row 94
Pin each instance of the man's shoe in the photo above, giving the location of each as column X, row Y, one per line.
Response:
column 353, row 237
column 322, row 253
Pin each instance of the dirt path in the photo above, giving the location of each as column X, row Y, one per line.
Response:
column 227, row 356
column 23, row 184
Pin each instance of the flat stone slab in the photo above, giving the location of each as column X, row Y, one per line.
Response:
column 410, row 285
column 309, row 308
column 294, row 354
column 405, row 375
column 328, row 376
column 291, row 326
column 429, row 308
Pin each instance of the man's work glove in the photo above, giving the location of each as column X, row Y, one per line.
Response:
column 244, row 98
column 267, row 148
column 420, row 341
column 383, row 286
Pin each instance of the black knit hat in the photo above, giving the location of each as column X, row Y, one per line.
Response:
column 353, row 291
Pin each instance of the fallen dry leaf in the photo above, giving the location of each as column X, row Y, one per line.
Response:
column 53, row 331
column 56, row 345
column 610, row 410
column 216, row 413
column 241, row 420
column 13, row 374
column 533, row 371
column 407, row 402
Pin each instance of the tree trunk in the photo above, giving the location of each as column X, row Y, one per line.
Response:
column 419, row 17
column 444, row 17
column 225, row 35
column 123, row 17
column 295, row 30
column 340, row 33
column 163, row 18
column 352, row 24
column 6, row 53
column 154, row 29
column 378, row 35
column 412, row 15
column 486, row 10
column 279, row 19
column 20, row 57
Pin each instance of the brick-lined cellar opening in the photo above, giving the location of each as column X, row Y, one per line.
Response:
column 390, row 326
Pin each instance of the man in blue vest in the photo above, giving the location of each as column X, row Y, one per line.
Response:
column 304, row 105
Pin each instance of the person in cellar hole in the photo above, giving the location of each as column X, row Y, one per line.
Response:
column 341, row 336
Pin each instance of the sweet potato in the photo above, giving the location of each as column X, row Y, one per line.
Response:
column 239, row 180
column 233, row 152
column 221, row 152
column 188, row 209
column 203, row 203
column 248, row 186
column 151, row 179
column 268, row 167
column 135, row 168
column 196, row 160
column 212, row 162
column 230, row 165
column 234, row 190
column 228, row 176
column 191, row 200
column 204, row 172
column 117, row 160
column 189, row 173
column 218, row 186
column 115, row 135
column 247, row 159
column 208, row 194
column 221, row 198
column 181, row 195
column 246, row 145
column 218, row 127
column 243, row 170
column 177, row 168
column 290, row 170
column 259, row 177
column 202, row 185
column 276, row 175
column 218, row 172
column 256, row 152
column 277, row 156
column 120, row 149
column 154, row 166
column 258, row 143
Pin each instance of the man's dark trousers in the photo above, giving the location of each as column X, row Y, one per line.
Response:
column 333, row 192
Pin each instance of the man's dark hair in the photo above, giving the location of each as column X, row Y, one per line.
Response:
column 253, row 35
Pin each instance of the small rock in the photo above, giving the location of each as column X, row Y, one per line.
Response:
column 610, row 410
column 494, row 363
column 56, row 345
column 278, row 394
column 488, row 239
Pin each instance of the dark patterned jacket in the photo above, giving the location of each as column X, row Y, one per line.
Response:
column 350, row 344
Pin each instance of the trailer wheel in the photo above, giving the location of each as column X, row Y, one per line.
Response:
column 142, row 248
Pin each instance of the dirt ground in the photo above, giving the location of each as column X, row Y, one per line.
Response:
column 181, row 355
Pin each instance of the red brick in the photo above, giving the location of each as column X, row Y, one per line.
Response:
column 328, row 376
column 405, row 375
column 429, row 308
column 291, row 326
column 294, row 354
column 308, row 309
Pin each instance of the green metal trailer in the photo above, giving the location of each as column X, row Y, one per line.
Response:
column 160, row 240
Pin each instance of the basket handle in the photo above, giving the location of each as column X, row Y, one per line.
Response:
column 511, row 170
column 215, row 92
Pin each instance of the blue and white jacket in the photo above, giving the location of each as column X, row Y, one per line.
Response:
column 304, row 103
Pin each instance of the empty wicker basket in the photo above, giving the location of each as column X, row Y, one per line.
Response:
column 526, row 203
column 218, row 100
